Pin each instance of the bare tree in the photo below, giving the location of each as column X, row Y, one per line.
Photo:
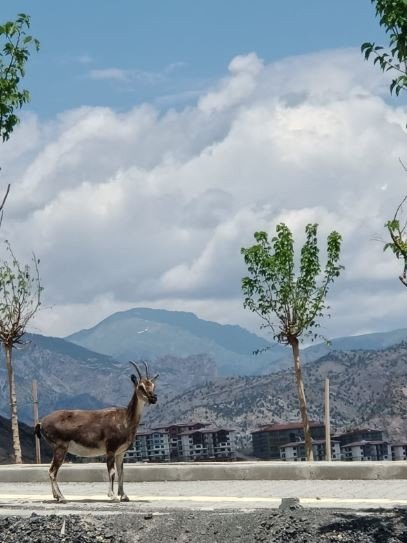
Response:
column 20, row 299
column 15, row 49
column 392, row 58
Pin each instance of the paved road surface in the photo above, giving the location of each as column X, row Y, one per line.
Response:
column 23, row 498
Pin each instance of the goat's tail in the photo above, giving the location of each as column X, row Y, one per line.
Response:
column 37, row 430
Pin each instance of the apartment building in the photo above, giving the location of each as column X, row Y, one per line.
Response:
column 183, row 442
column 208, row 443
column 175, row 432
column 268, row 439
column 359, row 434
column 149, row 446
column 367, row 450
column 398, row 451
column 295, row 451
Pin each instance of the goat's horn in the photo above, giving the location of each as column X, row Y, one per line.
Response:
column 156, row 376
column 135, row 365
column 146, row 366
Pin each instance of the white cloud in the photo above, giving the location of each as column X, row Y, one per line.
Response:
column 84, row 59
column 115, row 74
column 127, row 75
column 175, row 66
column 149, row 208
column 232, row 90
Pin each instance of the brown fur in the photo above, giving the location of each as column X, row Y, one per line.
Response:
column 93, row 432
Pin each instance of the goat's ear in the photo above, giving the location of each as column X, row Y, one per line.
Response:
column 134, row 379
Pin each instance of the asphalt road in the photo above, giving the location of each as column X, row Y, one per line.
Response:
column 24, row 498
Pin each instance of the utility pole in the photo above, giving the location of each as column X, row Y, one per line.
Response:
column 327, row 423
column 35, row 414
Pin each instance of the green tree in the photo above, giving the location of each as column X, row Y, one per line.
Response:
column 13, row 58
column 291, row 299
column 393, row 58
column 15, row 48
column 20, row 299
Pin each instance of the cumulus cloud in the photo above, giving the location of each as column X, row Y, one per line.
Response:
column 151, row 208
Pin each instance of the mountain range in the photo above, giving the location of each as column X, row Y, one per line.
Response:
column 151, row 333
column 367, row 388
column 196, row 359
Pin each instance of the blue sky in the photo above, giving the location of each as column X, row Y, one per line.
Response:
column 161, row 135
column 167, row 51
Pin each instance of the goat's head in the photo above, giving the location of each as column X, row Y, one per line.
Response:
column 144, row 385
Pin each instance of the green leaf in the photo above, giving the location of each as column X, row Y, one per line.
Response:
column 14, row 55
column 393, row 18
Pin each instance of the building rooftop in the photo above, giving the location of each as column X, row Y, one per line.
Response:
column 150, row 431
column 181, row 425
column 286, row 426
column 207, row 431
column 314, row 442
column 365, row 442
column 358, row 431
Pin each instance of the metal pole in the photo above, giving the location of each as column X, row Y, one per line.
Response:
column 327, row 423
column 35, row 413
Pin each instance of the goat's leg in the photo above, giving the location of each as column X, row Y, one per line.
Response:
column 57, row 460
column 112, row 472
column 119, row 467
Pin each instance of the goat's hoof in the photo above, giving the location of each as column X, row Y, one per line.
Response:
column 114, row 497
column 60, row 499
column 124, row 498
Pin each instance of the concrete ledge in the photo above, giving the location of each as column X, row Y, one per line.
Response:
column 252, row 471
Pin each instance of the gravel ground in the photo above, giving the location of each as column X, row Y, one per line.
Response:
column 288, row 525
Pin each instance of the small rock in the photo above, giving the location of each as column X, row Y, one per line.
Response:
column 290, row 504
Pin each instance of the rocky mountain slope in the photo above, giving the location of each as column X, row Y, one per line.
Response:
column 70, row 376
column 152, row 333
column 368, row 388
column 27, row 444
column 364, row 342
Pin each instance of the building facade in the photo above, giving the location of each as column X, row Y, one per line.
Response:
column 175, row 432
column 398, row 451
column 183, row 442
column 149, row 446
column 359, row 434
column 366, row 450
column 296, row 451
column 268, row 439
column 207, row 444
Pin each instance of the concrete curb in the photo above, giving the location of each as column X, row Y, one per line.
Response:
column 252, row 471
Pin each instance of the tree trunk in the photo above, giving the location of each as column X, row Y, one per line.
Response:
column 13, row 404
column 301, row 397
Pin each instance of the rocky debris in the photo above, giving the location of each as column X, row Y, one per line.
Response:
column 59, row 528
column 260, row 526
column 324, row 526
